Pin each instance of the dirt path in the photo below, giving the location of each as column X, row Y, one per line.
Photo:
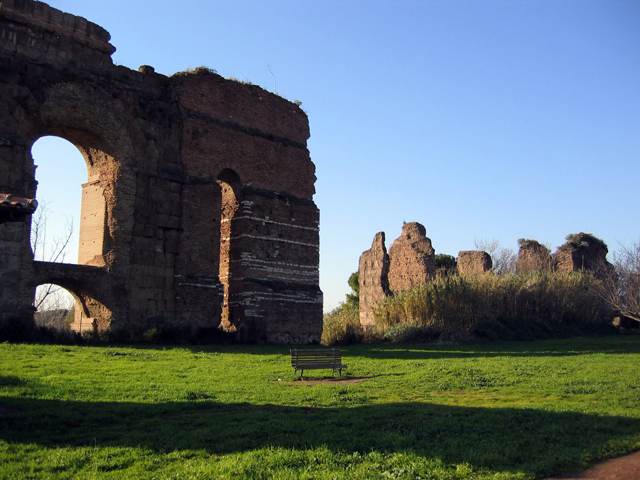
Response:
column 622, row 468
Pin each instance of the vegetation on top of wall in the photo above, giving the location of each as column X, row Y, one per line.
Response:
column 528, row 242
column 583, row 240
column 201, row 70
column 445, row 261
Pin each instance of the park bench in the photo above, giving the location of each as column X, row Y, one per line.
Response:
column 316, row 359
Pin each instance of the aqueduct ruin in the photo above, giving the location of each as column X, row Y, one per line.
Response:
column 198, row 207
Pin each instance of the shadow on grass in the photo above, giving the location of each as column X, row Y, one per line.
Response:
column 533, row 441
column 606, row 344
column 609, row 344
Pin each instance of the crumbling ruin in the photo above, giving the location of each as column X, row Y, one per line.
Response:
column 532, row 257
column 474, row 262
column 583, row 251
column 198, row 207
column 373, row 278
column 410, row 262
column 411, row 258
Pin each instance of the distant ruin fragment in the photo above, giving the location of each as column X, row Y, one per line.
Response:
column 411, row 258
column 473, row 262
column 532, row 257
column 373, row 278
column 583, row 251
column 198, row 207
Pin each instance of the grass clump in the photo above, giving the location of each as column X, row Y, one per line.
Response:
column 341, row 326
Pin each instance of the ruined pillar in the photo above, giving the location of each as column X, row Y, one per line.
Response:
column 532, row 257
column 373, row 278
column 472, row 262
column 583, row 251
column 411, row 258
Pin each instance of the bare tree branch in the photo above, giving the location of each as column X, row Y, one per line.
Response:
column 49, row 296
column 621, row 290
column 504, row 259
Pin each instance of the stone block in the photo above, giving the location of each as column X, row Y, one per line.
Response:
column 474, row 262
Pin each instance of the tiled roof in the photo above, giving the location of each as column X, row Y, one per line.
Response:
column 14, row 209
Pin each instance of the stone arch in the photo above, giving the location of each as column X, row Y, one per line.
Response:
column 95, row 123
column 231, row 191
column 93, row 223
column 155, row 145
column 93, row 291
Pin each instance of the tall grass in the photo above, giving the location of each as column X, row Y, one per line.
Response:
column 341, row 326
column 454, row 307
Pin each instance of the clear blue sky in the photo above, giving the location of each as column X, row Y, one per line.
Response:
column 478, row 119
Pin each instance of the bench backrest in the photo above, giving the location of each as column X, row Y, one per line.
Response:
column 301, row 358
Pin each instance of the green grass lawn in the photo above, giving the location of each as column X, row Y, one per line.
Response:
column 476, row 411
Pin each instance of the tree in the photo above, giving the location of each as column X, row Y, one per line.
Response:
column 353, row 298
column 504, row 259
column 445, row 262
column 50, row 297
column 621, row 290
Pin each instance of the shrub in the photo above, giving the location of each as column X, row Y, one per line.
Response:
column 455, row 308
column 341, row 326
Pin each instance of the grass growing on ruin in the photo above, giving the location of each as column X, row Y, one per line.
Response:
column 502, row 410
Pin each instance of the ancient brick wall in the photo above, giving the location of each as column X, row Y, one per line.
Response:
column 373, row 278
column 532, row 257
column 411, row 258
column 473, row 262
column 162, row 156
column 409, row 263
column 92, row 224
column 583, row 251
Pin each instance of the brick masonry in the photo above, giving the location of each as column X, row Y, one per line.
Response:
column 373, row 278
column 532, row 257
column 583, row 251
column 474, row 262
column 199, row 204
column 411, row 258
column 410, row 262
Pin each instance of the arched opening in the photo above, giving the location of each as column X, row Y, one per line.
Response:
column 55, row 224
column 69, row 225
column 55, row 307
column 229, row 182
column 72, row 299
